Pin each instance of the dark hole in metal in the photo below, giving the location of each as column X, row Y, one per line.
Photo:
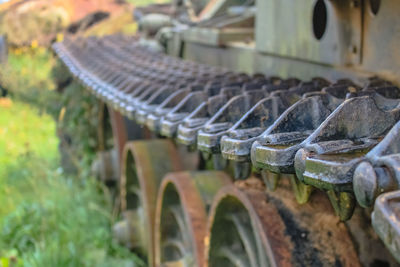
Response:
column 374, row 5
column 379, row 263
column 320, row 19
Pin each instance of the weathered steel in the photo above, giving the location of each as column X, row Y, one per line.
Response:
column 378, row 171
column 217, row 126
column 275, row 149
column 188, row 129
column 312, row 30
column 192, row 101
column 328, row 157
column 183, row 202
column 144, row 165
column 250, row 228
column 313, row 132
column 237, row 143
column 351, row 45
column 386, row 221
column 235, row 25
column 113, row 132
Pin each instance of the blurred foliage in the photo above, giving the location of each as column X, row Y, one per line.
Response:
column 25, row 21
column 48, row 218
column 122, row 23
column 17, row 138
column 78, row 127
column 35, row 76
column 146, row 2
column 28, row 77
column 35, row 21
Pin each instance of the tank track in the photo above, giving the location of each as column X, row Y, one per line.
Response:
column 302, row 140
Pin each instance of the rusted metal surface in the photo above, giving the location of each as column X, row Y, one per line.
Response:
column 119, row 131
column 183, row 202
column 113, row 132
column 273, row 151
column 329, row 163
column 312, row 133
column 251, row 228
column 144, row 165
column 188, row 102
column 237, row 142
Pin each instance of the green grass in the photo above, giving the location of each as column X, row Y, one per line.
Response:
column 47, row 218
column 29, row 76
column 37, row 62
column 23, row 131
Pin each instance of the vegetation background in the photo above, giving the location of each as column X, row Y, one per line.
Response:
column 53, row 214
